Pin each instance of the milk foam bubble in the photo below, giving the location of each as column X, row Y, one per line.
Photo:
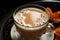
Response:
column 31, row 17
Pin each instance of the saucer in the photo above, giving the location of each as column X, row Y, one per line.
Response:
column 16, row 36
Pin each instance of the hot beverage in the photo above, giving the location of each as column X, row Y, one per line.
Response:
column 31, row 22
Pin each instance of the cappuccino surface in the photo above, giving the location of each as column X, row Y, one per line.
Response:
column 31, row 17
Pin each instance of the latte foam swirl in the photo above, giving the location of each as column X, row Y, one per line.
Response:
column 31, row 17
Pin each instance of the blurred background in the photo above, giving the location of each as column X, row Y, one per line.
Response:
column 7, row 5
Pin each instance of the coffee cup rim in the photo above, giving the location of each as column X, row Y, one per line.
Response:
column 28, row 6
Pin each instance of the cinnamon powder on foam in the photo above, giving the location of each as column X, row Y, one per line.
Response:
column 28, row 19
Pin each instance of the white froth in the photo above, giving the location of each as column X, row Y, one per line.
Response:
column 27, row 28
column 25, row 11
column 34, row 16
column 42, row 16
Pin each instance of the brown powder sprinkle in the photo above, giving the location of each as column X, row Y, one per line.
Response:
column 28, row 19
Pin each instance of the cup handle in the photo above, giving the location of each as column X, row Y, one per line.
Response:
column 49, row 35
column 50, row 27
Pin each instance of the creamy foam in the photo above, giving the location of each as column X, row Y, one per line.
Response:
column 31, row 17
